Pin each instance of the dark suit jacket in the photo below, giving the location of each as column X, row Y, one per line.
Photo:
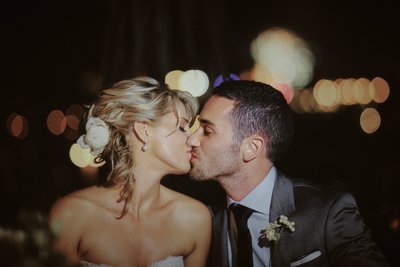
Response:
column 329, row 229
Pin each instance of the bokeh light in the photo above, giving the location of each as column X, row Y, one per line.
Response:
column 172, row 78
column 74, row 114
column 222, row 78
column 286, row 90
column 195, row 125
column 346, row 91
column 294, row 104
column 81, row 157
column 361, row 91
column 282, row 57
column 306, row 100
column 195, row 82
column 326, row 93
column 71, row 134
column 370, row 120
column 379, row 90
column 56, row 122
column 330, row 96
column 17, row 125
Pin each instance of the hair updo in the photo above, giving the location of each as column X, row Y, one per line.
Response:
column 137, row 99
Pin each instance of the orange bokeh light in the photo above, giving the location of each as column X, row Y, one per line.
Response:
column 17, row 125
column 56, row 122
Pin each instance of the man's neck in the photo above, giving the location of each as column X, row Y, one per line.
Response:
column 242, row 183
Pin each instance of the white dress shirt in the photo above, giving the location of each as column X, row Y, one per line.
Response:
column 259, row 199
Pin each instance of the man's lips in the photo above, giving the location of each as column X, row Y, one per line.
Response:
column 193, row 156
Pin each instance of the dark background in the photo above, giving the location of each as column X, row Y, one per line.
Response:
column 58, row 53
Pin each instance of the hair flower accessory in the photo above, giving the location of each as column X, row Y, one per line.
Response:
column 96, row 137
column 271, row 234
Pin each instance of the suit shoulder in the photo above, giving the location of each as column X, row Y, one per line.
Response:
column 312, row 187
column 325, row 195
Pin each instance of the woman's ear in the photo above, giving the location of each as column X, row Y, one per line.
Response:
column 140, row 131
column 252, row 147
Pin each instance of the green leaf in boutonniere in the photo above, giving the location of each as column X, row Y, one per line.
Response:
column 271, row 235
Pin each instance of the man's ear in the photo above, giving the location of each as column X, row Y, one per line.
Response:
column 252, row 147
column 140, row 131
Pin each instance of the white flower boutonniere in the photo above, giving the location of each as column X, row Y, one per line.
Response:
column 270, row 235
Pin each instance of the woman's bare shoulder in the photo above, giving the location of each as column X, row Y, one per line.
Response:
column 74, row 204
column 188, row 207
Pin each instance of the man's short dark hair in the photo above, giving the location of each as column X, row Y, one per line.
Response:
column 259, row 109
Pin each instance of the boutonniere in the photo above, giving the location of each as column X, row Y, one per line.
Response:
column 270, row 235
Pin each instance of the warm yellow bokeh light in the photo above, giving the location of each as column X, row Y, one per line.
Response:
column 196, row 124
column 326, row 93
column 370, row 120
column 330, row 96
column 246, row 75
column 294, row 104
column 361, row 91
column 81, row 157
column 346, row 91
column 306, row 100
column 172, row 78
column 260, row 73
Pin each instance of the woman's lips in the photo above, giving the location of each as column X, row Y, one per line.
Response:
column 193, row 156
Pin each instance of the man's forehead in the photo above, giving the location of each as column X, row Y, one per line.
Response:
column 217, row 106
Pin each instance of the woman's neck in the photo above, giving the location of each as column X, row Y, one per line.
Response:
column 145, row 194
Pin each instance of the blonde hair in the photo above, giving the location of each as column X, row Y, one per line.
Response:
column 139, row 99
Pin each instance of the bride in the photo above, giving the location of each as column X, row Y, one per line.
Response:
column 140, row 128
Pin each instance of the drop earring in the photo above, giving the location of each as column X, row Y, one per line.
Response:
column 145, row 147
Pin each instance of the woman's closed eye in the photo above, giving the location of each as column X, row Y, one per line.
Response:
column 184, row 127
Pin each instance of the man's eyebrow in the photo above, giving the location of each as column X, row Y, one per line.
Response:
column 205, row 121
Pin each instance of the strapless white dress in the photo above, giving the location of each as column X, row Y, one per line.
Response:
column 171, row 261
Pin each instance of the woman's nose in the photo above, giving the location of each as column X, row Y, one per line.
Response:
column 193, row 139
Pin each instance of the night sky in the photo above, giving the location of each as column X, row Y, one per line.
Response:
column 52, row 51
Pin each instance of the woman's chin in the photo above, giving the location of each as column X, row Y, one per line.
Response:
column 182, row 170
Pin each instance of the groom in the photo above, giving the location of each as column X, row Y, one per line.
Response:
column 244, row 128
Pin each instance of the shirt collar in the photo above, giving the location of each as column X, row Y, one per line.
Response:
column 259, row 199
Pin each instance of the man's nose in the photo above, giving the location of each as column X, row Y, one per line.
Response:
column 194, row 139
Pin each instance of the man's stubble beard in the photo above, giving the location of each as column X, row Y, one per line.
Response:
column 218, row 166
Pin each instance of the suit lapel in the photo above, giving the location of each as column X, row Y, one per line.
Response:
column 282, row 203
